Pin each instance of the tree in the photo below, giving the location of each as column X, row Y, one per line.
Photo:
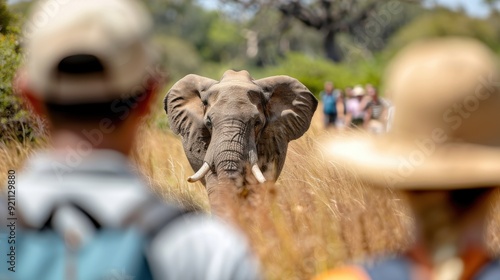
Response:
column 494, row 5
column 15, row 122
column 370, row 22
column 437, row 24
column 5, row 17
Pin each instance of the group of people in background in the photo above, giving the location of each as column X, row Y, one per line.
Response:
column 355, row 107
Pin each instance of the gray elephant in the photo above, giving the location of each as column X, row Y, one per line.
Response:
column 237, row 130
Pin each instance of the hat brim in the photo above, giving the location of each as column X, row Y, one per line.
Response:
column 413, row 164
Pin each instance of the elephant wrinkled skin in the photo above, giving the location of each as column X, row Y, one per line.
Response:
column 237, row 130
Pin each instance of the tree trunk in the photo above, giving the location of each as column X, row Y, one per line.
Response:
column 331, row 47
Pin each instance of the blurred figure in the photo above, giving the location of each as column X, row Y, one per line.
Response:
column 341, row 109
column 83, row 212
column 355, row 114
column 330, row 98
column 376, row 110
column 443, row 154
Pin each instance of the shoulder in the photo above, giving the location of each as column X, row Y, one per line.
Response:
column 390, row 268
column 201, row 247
column 385, row 102
column 489, row 271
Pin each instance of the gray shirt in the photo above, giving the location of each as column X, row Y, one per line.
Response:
column 104, row 185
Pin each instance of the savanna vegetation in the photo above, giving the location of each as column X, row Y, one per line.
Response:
column 317, row 215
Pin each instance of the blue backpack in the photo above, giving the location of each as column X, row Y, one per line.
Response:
column 110, row 254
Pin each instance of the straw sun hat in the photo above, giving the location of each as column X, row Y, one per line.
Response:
column 446, row 128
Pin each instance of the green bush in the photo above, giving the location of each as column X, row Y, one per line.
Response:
column 441, row 23
column 15, row 122
column 313, row 72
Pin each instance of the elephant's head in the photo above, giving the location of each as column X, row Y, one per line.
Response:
column 238, row 128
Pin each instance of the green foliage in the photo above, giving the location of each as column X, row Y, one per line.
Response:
column 5, row 17
column 224, row 41
column 15, row 122
column 313, row 72
column 178, row 56
column 442, row 22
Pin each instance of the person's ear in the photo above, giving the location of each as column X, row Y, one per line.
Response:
column 20, row 86
column 148, row 97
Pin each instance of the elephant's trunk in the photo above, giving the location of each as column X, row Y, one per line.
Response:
column 231, row 151
column 229, row 164
column 228, row 155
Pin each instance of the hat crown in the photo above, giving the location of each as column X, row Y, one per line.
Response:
column 115, row 32
column 447, row 85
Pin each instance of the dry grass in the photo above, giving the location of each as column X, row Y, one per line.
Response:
column 315, row 217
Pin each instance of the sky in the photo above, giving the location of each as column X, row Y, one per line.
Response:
column 473, row 7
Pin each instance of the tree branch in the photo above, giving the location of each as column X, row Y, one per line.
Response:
column 298, row 11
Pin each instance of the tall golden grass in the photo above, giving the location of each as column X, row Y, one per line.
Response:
column 315, row 217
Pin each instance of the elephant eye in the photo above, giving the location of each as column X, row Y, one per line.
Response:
column 205, row 103
column 208, row 123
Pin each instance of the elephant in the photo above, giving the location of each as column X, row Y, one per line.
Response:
column 237, row 130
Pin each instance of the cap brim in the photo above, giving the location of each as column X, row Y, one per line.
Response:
column 416, row 164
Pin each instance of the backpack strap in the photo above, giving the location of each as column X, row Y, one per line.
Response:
column 490, row 271
column 388, row 269
column 154, row 215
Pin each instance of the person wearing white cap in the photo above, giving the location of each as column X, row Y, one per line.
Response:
column 355, row 113
column 442, row 154
column 82, row 211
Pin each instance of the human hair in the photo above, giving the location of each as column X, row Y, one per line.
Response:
column 89, row 112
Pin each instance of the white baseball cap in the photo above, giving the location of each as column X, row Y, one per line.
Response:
column 358, row 91
column 87, row 51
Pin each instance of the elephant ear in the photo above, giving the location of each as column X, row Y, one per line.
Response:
column 290, row 108
column 185, row 112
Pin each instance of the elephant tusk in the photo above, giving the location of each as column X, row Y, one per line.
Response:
column 200, row 173
column 258, row 174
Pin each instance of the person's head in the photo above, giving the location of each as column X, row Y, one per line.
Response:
column 443, row 150
column 90, row 69
column 358, row 92
column 371, row 91
column 329, row 87
column 368, row 87
column 348, row 92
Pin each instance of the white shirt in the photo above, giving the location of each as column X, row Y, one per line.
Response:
column 104, row 185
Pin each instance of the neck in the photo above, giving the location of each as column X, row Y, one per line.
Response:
column 83, row 141
column 447, row 232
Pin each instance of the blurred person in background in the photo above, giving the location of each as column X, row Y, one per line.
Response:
column 341, row 108
column 376, row 109
column 355, row 114
column 83, row 211
column 442, row 154
column 330, row 97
